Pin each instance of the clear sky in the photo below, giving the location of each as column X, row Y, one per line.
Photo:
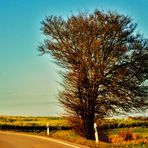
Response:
column 27, row 81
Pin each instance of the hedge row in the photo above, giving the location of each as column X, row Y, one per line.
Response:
column 110, row 124
column 32, row 128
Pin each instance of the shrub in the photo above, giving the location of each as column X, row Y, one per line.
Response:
column 103, row 135
column 126, row 135
column 76, row 124
column 123, row 136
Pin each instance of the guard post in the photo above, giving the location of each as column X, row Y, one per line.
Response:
column 47, row 128
column 96, row 133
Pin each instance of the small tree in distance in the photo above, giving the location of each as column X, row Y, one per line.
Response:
column 105, row 64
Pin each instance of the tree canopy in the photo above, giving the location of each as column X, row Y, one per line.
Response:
column 105, row 64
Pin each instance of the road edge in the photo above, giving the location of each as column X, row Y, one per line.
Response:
column 67, row 143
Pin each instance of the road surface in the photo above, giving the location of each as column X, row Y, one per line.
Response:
column 17, row 140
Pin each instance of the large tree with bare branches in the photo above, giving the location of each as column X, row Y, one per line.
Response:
column 105, row 64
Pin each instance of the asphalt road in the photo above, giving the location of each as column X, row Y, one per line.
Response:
column 17, row 140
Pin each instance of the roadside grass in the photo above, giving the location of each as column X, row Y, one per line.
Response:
column 69, row 135
column 60, row 128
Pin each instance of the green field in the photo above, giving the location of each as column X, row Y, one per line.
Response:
column 60, row 128
column 32, row 123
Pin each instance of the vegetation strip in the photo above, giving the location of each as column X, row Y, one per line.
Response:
column 116, row 130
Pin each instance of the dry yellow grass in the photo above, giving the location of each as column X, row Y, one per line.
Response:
column 128, row 137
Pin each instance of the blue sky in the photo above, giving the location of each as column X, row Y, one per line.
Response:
column 27, row 81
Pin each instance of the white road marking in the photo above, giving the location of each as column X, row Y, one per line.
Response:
column 40, row 137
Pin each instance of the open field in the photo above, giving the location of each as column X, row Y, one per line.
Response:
column 60, row 128
column 35, row 124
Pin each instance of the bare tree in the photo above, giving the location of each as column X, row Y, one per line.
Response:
column 105, row 64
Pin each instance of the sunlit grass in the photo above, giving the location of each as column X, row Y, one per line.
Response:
column 33, row 121
column 141, row 131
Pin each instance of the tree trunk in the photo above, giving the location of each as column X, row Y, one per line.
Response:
column 88, row 124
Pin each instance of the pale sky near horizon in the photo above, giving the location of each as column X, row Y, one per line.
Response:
column 27, row 81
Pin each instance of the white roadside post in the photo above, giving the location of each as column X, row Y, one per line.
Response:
column 47, row 128
column 96, row 132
